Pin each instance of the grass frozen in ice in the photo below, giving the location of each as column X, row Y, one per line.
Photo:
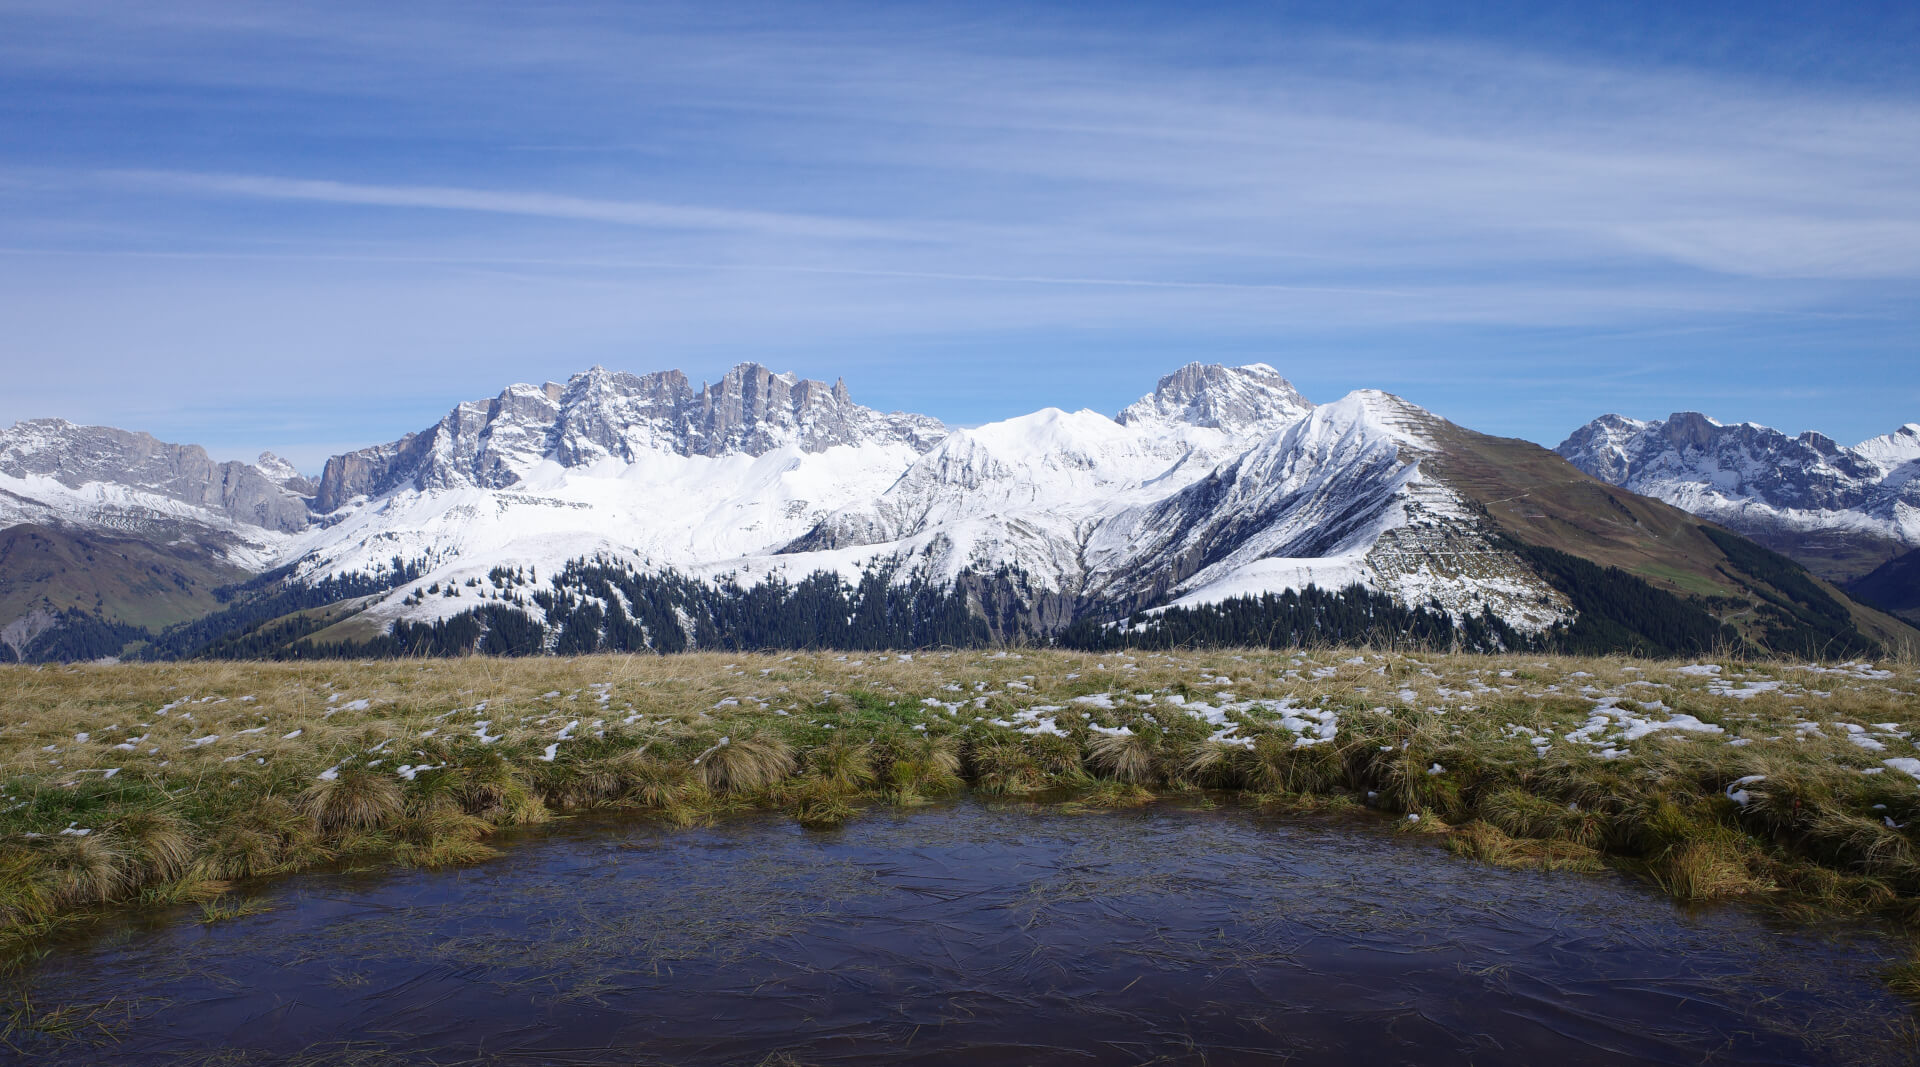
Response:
column 1790, row 783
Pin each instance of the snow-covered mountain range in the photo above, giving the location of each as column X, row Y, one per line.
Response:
column 1221, row 482
column 1216, row 471
column 1782, row 491
column 101, row 479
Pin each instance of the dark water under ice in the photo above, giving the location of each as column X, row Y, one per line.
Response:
column 974, row 933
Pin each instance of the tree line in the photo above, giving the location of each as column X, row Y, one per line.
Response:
column 596, row 605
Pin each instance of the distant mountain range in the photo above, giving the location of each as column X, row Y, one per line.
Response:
column 621, row 511
column 1851, row 515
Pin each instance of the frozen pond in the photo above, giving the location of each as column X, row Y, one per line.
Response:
column 974, row 933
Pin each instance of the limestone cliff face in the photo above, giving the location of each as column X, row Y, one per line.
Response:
column 78, row 456
column 1237, row 400
column 604, row 414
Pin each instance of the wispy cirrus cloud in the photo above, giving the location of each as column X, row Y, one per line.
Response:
column 531, row 204
column 458, row 195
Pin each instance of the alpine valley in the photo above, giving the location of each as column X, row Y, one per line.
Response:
column 628, row 512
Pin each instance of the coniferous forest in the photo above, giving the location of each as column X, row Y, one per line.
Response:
column 1312, row 616
column 593, row 606
column 1802, row 619
column 233, row 632
column 602, row 606
column 74, row 635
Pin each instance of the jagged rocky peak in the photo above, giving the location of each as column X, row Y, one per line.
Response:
column 1755, row 478
column 1741, row 456
column 605, row 414
column 283, row 474
column 1690, row 429
column 75, row 456
column 750, row 410
column 1895, row 450
column 1238, row 400
column 275, row 468
column 753, row 403
column 1603, row 447
column 754, row 410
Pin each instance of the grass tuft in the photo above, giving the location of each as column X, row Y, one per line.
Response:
column 160, row 841
column 1489, row 843
column 1704, row 870
column 93, row 869
column 1004, row 767
column 1127, row 757
column 751, row 763
column 841, row 766
column 357, row 798
column 1112, row 793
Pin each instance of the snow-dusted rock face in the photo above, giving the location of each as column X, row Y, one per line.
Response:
column 1896, row 453
column 1239, row 401
column 1030, row 492
column 643, row 467
column 1053, row 467
column 1245, row 498
column 612, row 415
column 283, row 474
column 1334, row 499
column 1758, row 480
column 1324, row 486
column 1223, row 481
column 52, row 470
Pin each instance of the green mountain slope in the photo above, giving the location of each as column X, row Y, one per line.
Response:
column 1536, row 497
column 1894, row 586
column 43, row 568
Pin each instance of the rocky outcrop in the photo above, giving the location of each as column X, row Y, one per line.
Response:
column 366, row 472
column 1759, row 481
column 1238, row 400
column 605, row 414
column 283, row 474
column 18, row 635
column 78, row 456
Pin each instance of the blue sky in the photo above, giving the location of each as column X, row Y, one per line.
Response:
column 313, row 227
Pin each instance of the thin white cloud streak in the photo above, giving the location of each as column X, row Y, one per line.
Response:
column 1778, row 247
column 1539, row 160
column 1066, row 186
column 1377, row 157
column 538, row 205
column 1693, row 185
column 366, row 321
column 689, row 265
